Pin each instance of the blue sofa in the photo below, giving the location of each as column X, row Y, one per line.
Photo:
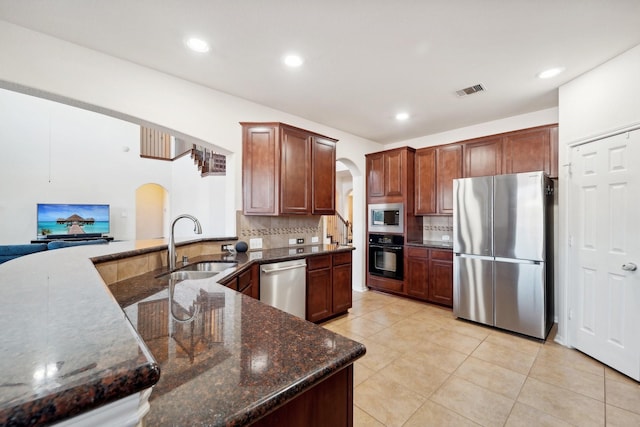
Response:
column 9, row 252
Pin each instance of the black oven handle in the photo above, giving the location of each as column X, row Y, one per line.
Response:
column 393, row 248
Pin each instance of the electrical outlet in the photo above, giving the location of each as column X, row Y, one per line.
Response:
column 315, row 239
column 227, row 248
column 300, row 241
column 255, row 243
column 446, row 237
column 292, row 241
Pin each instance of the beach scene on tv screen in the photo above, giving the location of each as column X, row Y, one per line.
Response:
column 72, row 219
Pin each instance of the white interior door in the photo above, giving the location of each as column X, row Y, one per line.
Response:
column 604, row 218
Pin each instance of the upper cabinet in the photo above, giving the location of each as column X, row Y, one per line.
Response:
column 287, row 170
column 483, row 157
column 388, row 175
column 527, row 150
column 436, row 168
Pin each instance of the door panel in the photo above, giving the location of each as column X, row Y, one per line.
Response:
column 473, row 288
column 520, row 298
column 473, row 221
column 519, row 216
column 604, row 298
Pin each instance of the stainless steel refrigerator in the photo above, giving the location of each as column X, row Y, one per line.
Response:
column 503, row 247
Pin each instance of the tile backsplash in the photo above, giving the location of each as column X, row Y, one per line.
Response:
column 435, row 227
column 276, row 231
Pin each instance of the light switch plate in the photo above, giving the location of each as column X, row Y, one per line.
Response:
column 255, row 243
column 315, row 239
column 292, row 241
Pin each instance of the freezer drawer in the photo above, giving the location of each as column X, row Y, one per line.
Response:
column 473, row 288
column 520, row 297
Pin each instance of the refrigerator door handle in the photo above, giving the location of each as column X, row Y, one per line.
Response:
column 518, row 261
column 482, row 257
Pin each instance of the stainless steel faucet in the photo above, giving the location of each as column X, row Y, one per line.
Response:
column 171, row 262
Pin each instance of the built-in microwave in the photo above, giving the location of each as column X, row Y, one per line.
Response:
column 386, row 218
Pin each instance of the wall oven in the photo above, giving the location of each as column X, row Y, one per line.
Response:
column 386, row 256
column 386, row 218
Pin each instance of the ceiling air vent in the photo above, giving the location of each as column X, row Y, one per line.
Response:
column 470, row 90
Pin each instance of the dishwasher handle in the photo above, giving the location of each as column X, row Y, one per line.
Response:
column 275, row 270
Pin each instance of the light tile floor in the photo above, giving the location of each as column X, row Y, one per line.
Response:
column 424, row 367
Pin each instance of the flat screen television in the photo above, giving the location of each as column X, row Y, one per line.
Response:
column 72, row 220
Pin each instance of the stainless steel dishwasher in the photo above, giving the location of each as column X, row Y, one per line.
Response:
column 283, row 285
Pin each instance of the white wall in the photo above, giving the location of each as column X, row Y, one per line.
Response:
column 53, row 153
column 600, row 102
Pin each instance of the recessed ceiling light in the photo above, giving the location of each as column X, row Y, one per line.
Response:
column 197, row 45
column 402, row 116
column 293, row 60
column 551, row 72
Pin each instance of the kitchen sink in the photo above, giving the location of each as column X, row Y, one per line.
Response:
column 188, row 275
column 209, row 266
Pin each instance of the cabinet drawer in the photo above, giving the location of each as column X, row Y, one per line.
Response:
column 417, row 252
column 443, row 255
column 342, row 258
column 320, row 261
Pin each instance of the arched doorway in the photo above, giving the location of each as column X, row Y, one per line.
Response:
column 151, row 206
column 353, row 199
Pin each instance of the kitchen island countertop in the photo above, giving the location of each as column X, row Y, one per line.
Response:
column 232, row 363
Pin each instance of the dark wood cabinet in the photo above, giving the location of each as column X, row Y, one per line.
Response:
column 341, row 298
column 375, row 175
column 260, row 170
column 295, row 179
column 390, row 175
column 448, row 167
column 436, row 168
column 246, row 282
column 430, row 275
column 527, row 151
column 287, row 171
column 425, row 186
column 483, row 157
column 441, row 277
column 328, row 285
column 323, row 165
column 417, row 268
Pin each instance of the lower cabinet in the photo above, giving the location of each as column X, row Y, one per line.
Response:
column 328, row 285
column 430, row 275
column 246, row 282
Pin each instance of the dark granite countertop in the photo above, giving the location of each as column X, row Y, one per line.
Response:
column 226, row 358
column 433, row 244
column 67, row 346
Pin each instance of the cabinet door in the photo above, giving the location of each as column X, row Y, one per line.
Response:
column 318, row 294
column 418, row 273
column 441, row 281
column 260, row 170
column 527, row 151
column 483, row 158
column 341, row 288
column 375, row 175
column 323, row 167
column 425, row 181
column 394, row 171
column 449, row 167
column 295, row 172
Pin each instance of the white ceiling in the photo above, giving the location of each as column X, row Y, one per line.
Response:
column 365, row 60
